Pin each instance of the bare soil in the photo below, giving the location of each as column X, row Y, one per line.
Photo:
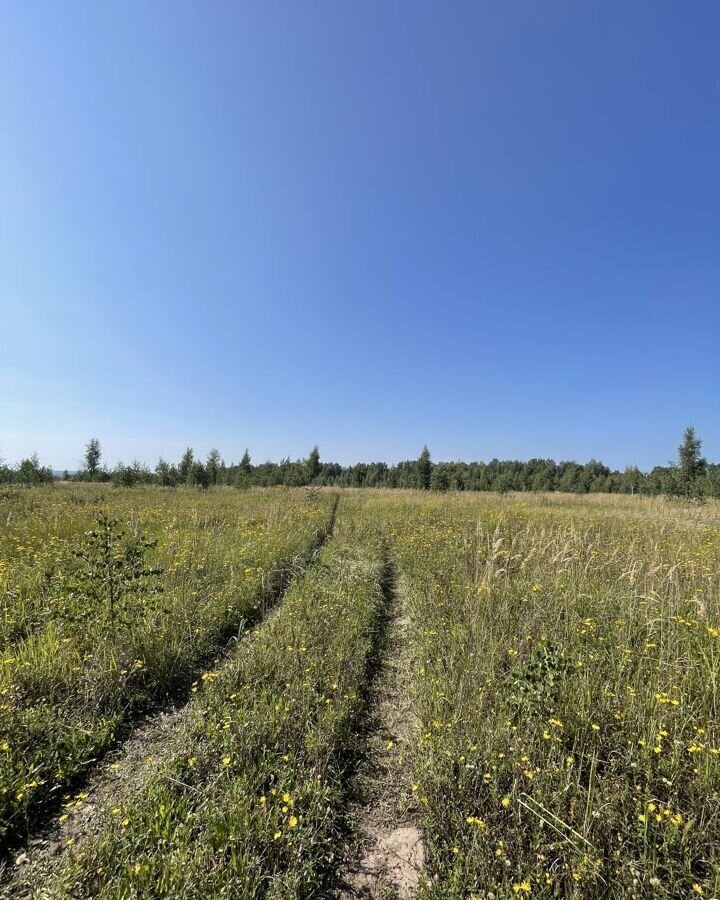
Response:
column 388, row 855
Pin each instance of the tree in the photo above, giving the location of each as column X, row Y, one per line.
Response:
column 111, row 565
column 29, row 471
column 185, row 469
column 212, row 466
column 691, row 465
column 92, row 457
column 424, row 470
column 244, row 471
column 166, row 474
column 199, row 475
column 313, row 464
column 440, row 478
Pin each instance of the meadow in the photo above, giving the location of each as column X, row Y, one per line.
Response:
column 560, row 662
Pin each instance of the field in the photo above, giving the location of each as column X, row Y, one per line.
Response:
column 359, row 693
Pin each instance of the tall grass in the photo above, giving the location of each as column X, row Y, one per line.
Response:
column 250, row 801
column 568, row 660
column 72, row 679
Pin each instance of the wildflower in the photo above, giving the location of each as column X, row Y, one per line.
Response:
column 292, row 821
column 226, row 760
column 522, row 887
column 277, row 835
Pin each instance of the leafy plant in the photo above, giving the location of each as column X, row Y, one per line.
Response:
column 112, row 565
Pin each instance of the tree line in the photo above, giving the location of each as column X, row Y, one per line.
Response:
column 691, row 476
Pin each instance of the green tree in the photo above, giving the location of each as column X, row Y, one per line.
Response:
column 424, row 470
column 199, row 475
column 185, row 469
column 691, row 465
column 93, row 454
column 30, row 471
column 244, row 471
column 111, row 564
column 313, row 464
column 440, row 478
column 166, row 474
column 212, row 466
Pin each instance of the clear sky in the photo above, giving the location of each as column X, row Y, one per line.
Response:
column 489, row 227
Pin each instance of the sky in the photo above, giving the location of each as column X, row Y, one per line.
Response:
column 491, row 228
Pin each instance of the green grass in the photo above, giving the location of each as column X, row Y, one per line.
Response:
column 566, row 662
column 73, row 678
column 251, row 802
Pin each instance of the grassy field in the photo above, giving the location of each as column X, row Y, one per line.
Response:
column 74, row 670
column 563, row 658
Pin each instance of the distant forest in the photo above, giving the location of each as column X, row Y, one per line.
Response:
column 692, row 476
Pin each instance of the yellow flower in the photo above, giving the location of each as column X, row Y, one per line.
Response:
column 292, row 821
column 226, row 760
column 522, row 888
column 505, row 801
column 278, row 834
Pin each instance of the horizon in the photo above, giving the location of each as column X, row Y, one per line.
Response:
column 490, row 230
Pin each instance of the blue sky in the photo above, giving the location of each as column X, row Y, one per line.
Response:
column 489, row 227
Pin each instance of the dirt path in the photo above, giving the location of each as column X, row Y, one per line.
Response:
column 388, row 857
column 121, row 772
column 120, row 775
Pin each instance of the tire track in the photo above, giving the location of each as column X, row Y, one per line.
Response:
column 387, row 855
column 76, row 812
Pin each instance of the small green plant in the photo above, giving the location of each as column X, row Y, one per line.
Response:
column 534, row 687
column 111, row 565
